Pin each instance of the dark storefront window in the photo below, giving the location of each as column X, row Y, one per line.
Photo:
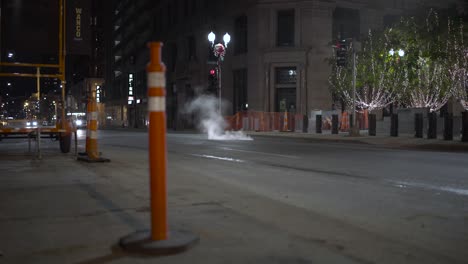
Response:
column 240, row 90
column 285, row 84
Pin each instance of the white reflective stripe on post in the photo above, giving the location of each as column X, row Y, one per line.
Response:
column 156, row 79
column 156, row 104
column 92, row 116
column 91, row 134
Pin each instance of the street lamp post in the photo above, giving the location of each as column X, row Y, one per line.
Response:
column 392, row 53
column 354, row 129
column 219, row 51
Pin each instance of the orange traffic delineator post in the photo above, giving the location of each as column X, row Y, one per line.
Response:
column 91, row 154
column 159, row 240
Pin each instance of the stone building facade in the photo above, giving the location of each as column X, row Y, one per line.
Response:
column 276, row 59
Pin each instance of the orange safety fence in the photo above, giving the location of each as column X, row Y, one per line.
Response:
column 344, row 123
column 362, row 120
column 286, row 121
column 265, row 121
column 364, row 123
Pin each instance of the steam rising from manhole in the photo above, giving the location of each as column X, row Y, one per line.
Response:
column 210, row 121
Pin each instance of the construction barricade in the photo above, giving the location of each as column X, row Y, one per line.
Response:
column 265, row 121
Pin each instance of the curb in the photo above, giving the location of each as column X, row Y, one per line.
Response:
column 312, row 138
column 387, row 142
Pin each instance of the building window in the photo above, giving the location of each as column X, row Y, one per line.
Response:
column 175, row 10
column 240, row 31
column 191, row 48
column 186, row 8
column 169, row 16
column 240, row 90
column 346, row 23
column 158, row 23
column 172, row 60
column 390, row 20
column 285, row 28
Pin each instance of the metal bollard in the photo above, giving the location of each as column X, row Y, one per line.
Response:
column 448, row 126
column 394, row 125
column 372, row 124
column 464, row 126
column 305, row 124
column 334, row 124
column 432, row 128
column 418, row 125
column 318, row 124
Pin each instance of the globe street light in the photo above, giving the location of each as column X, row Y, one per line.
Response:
column 219, row 51
column 211, row 37
column 401, row 52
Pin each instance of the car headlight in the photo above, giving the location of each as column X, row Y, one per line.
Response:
column 28, row 123
column 34, row 123
column 79, row 122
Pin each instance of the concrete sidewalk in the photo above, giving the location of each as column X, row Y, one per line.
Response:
column 59, row 210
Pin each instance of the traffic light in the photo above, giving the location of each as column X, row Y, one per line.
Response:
column 341, row 52
column 212, row 81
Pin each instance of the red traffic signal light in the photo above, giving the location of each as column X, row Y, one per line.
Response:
column 212, row 72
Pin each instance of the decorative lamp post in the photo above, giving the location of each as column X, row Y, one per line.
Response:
column 219, row 51
column 394, row 117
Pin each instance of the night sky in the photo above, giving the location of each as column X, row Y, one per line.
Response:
column 30, row 30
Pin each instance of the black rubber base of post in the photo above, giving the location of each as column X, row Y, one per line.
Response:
column 88, row 159
column 140, row 243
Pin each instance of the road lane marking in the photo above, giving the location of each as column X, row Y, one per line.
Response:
column 403, row 184
column 263, row 153
column 218, row 158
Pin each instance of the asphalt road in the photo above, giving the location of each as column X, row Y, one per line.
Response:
column 377, row 205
